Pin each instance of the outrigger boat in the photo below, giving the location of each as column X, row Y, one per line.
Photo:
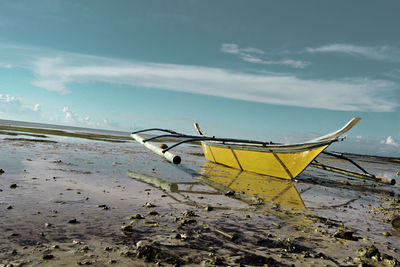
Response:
column 284, row 161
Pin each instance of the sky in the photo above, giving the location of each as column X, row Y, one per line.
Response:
column 286, row 71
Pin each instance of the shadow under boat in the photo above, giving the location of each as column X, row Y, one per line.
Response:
column 226, row 180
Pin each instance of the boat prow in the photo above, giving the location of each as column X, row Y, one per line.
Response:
column 339, row 132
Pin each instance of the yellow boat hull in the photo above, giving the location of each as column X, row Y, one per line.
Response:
column 281, row 163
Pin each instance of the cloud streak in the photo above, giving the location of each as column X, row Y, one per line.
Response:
column 8, row 98
column 370, row 52
column 5, row 66
column 56, row 73
column 254, row 55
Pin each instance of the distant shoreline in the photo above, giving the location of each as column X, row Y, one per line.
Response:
column 104, row 135
column 37, row 125
column 42, row 132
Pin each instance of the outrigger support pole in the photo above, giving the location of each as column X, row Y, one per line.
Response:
column 199, row 138
column 189, row 138
column 373, row 178
column 340, row 156
column 171, row 135
column 365, row 175
column 156, row 129
column 192, row 138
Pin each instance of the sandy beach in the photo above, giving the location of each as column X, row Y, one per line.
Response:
column 68, row 201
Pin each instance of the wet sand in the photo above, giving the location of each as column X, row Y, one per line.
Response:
column 68, row 201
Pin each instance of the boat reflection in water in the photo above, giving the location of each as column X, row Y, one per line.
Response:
column 267, row 188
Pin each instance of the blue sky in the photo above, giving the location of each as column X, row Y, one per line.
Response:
column 280, row 70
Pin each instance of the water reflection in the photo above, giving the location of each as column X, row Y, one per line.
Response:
column 215, row 179
column 267, row 188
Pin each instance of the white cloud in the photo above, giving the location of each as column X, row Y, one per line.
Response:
column 55, row 70
column 72, row 118
column 48, row 80
column 109, row 124
column 230, row 49
column 36, row 108
column 51, row 85
column 394, row 74
column 347, row 94
column 253, row 50
column 390, row 141
column 12, row 105
column 8, row 98
column 252, row 55
column 5, row 66
column 370, row 52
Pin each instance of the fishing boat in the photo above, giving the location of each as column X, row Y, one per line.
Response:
column 285, row 161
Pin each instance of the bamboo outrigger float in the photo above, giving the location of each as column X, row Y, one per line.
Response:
column 284, row 161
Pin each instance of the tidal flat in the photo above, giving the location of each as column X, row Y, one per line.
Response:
column 69, row 199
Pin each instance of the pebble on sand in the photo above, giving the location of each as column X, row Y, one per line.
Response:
column 73, row 221
column 149, row 205
column 189, row 213
column 104, row 207
column 47, row 257
column 343, row 234
column 152, row 213
column 208, row 208
column 136, row 216
column 396, row 223
column 127, row 228
column 386, row 234
column 84, row 248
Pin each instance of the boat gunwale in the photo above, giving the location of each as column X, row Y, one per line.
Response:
column 285, row 148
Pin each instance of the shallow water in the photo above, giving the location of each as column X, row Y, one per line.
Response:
column 70, row 179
